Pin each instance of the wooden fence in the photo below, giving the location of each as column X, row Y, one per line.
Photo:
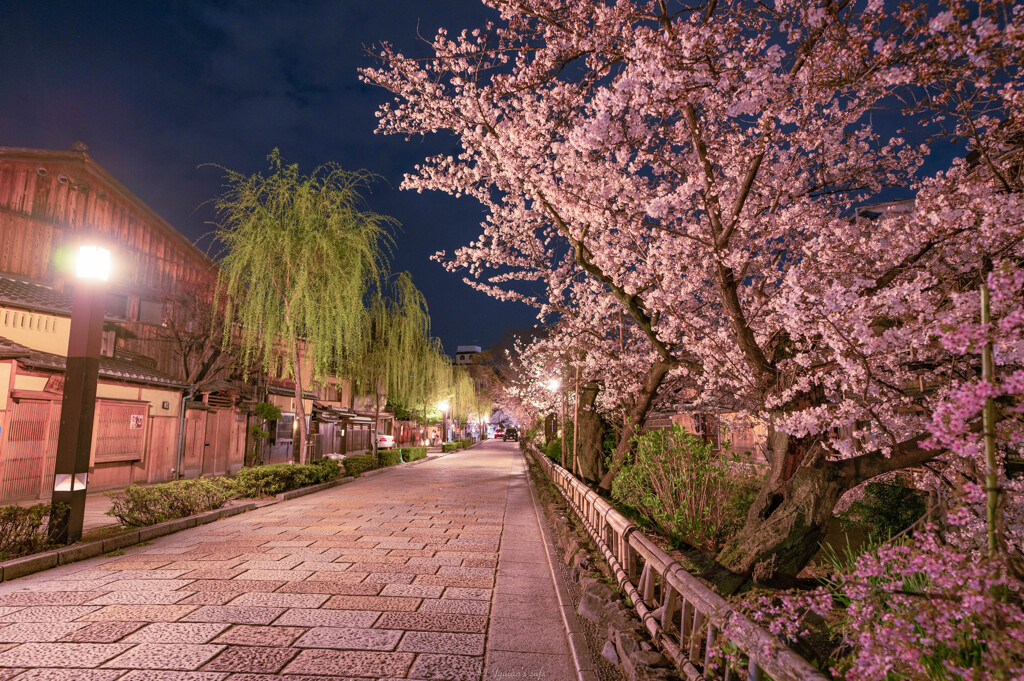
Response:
column 688, row 620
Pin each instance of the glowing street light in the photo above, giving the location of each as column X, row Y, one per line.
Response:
column 78, row 404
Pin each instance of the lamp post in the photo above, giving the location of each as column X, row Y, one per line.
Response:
column 78, row 404
column 554, row 386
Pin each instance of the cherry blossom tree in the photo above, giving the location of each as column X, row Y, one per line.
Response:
column 698, row 169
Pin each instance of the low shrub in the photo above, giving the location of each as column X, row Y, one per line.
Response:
column 414, row 453
column 449, row 447
column 690, row 492
column 357, row 464
column 137, row 506
column 554, row 451
column 390, row 457
column 265, row 481
column 886, row 509
column 23, row 530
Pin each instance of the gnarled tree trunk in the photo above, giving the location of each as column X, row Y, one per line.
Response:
column 590, row 432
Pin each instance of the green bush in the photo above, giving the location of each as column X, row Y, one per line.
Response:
column 690, row 492
column 414, row 453
column 390, row 457
column 265, row 481
column 554, row 451
column 357, row 464
column 23, row 530
column 137, row 506
column 449, row 447
column 886, row 509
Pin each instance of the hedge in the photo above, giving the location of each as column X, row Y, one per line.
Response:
column 414, row 453
column 389, row 457
column 358, row 464
column 23, row 530
column 449, row 447
column 266, row 481
column 137, row 506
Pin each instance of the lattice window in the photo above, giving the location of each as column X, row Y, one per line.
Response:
column 120, row 431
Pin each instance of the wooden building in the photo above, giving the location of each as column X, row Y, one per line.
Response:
column 50, row 202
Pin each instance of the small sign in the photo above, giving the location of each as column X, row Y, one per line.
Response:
column 135, row 421
column 54, row 384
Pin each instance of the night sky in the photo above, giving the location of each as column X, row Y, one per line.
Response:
column 155, row 89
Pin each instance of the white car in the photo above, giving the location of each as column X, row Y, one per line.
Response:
column 385, row 441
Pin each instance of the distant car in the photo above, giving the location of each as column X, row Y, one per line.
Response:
column 511, row 434
column 385, row 441
column 499, row 432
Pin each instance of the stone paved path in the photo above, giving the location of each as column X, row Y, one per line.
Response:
column 435, row 571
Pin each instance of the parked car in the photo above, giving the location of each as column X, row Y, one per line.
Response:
column 511, row 434
column 385, row 441
column 499, row 433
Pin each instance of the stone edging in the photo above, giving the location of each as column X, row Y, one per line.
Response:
column 573, row 632
column 37, row 562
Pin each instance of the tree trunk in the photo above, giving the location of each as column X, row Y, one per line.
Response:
column 635, row 418
column 590, row 434
column 300, row 412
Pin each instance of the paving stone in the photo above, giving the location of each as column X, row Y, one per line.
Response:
column 348, row 638
column 332, row 587
column 372, row 603
column 355, row 663
column 210, row 598
column 165, row 675
column 274, row 575
column 165, row 656
column 448, row 667
column 320, row 566
column 466, row 571
column 509, row 665
column 435, row 560
column 461, row 593
column 140, row 598
column 294, row 677
column 455, row 607
column 234, row 614
column 391, row 578
column 213, row 573
column 146, row 584
column 419, row 621
column 25, row 598
column 234, row 585
column 412, row 591
column 61, row 654
column 441, row 642
column 39, row 632
column 176, row 632
column 281, row 600
column 49, row 613
column 453, row 580
column 327, row 618
column 44, row 674
column 143, row 613
column 250, row 635
column 254, row 659
column 103, row 632
column 520, row 636
column 83, row 585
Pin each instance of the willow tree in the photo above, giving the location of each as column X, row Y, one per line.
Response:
column 300, row 257
column 395, row 336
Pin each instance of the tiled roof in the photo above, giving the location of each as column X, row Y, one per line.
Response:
column 33, row 297
column 110, row 367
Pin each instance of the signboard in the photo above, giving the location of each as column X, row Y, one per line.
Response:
column 55, row 384
column 135, row 421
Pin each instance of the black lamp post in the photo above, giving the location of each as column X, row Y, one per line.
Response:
column 78, row 405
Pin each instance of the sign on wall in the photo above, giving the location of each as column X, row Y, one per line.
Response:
column 135, row 421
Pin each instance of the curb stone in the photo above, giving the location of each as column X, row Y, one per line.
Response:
column 573, row 633
column 27, row 565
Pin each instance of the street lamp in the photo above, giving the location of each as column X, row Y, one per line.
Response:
column 443, row 406
column 78, row 404
column 554, row 385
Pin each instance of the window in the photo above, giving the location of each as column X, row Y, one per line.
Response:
column 284, row 428
column 151, row 312
column 117, row 306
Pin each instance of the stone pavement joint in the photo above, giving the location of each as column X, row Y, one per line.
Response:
column 432, row 572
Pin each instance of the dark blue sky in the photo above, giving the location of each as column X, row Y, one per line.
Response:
column 155, row 89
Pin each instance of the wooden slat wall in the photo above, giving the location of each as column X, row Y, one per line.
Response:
column 38, row 212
